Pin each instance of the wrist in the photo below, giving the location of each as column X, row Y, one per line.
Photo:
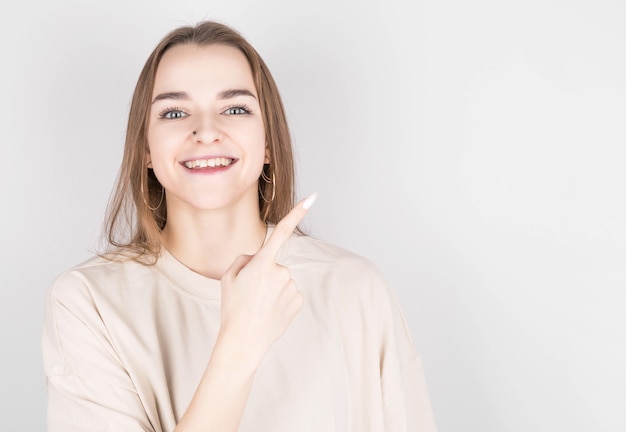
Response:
column 233, row 352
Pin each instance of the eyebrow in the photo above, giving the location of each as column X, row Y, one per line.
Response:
column 229, row 94
column 225, row 94
column 171, row 95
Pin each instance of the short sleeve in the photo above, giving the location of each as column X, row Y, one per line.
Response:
column 88, row 386
column 406, row 403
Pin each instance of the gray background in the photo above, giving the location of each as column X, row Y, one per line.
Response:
column 473, row 150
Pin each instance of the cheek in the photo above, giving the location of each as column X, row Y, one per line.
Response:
column 256, row 136
column 160, row 155
column 160, row 140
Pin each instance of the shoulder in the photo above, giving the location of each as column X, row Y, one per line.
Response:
column 303, row 250
column 332, row 270
column 97, row 274
column 351, row 286
column 86, row 310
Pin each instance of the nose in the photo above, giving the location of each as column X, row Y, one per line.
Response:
column 207, row 131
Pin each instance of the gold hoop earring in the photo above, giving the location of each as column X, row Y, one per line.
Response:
column 271, row 181
column 143, row 194
column 160, row 201
column 265, row 177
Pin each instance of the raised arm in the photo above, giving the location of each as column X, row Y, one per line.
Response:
column 259, row 301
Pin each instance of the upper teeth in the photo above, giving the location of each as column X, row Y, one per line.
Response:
column 203, row 163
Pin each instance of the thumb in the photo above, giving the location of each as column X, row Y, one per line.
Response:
column 231, row 273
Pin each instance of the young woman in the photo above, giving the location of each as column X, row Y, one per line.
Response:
column 211, row 311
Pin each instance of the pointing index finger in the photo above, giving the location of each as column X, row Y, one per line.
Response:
column 283, row 229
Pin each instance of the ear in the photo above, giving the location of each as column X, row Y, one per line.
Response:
column 267, row 154
column 148, row 160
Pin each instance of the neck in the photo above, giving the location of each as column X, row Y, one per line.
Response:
column 208, row 241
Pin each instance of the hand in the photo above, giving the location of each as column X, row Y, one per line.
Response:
column 259, row 298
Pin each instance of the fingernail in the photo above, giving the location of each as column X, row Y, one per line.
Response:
column 309, row 201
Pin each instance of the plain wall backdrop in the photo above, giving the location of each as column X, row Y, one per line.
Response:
column 474, row 150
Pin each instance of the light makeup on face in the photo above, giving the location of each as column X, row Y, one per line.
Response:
column 176, row 112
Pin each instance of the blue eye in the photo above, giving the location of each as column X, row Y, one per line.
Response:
column 237, row 110
column 172, row 114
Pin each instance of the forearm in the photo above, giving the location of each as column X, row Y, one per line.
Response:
column 223, row 391
column 259, row 301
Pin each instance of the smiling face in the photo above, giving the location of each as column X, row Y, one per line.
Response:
column 206, row 136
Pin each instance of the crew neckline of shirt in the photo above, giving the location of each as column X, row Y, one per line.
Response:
column 190, row 281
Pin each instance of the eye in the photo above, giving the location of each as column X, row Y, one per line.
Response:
column 172, row 114
column 237, row 110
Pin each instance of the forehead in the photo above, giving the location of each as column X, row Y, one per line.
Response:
column 208, row 67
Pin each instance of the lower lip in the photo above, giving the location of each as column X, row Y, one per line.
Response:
column 209, row 170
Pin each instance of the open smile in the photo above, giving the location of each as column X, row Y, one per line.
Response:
column 217, row 162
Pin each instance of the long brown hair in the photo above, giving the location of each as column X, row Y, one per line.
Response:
column 137, row 211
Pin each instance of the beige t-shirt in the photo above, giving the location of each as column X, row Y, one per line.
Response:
column 125, row 346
